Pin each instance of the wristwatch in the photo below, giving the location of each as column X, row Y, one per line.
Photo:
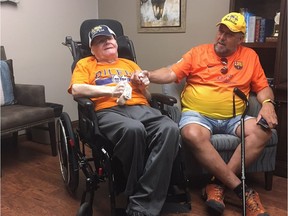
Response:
column 270, row 101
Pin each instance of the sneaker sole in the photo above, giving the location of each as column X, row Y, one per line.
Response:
column 213, row 204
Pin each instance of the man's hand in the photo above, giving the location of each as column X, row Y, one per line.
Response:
column 140, row 78
column 117, row 91
column 144, row 81
column 135, row 80
column 268, row 113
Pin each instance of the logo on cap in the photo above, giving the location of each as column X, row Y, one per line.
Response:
column 231, row 18
column 96, row 30
column 234, row 21
column 99, row 30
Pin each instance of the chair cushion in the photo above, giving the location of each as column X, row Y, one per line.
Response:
column 7, row 83
column 16, row 116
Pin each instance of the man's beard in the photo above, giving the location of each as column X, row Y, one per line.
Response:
column 222, row 51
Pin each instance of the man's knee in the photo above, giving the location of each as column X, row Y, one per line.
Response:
column 171, row 126
column 256, row 134
column 195, row 134
column 134, row 127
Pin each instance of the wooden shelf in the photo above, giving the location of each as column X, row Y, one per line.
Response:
column 261, row 45
column 282, row 86
column 273, row 58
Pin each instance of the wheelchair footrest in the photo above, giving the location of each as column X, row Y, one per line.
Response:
column 120, row 212
column 178, row 198
column 176, row 208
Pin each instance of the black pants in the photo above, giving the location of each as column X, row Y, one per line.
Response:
column 146, row 142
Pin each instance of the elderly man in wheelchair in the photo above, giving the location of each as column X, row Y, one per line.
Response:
column 144, row 141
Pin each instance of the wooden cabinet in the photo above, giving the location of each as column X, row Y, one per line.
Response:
column 273, row 57
column 280, row 89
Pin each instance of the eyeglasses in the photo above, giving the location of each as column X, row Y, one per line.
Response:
column 224, row 61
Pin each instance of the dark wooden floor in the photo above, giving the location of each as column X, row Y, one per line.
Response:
column 31, row 185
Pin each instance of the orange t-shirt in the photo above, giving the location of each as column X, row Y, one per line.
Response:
column 89, row 71
column 210, row 92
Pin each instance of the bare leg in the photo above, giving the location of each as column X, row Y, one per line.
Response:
column 197, row 138
column 255, row 140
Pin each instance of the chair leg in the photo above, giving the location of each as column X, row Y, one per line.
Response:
column 29, row 133
column 52, row 133
column 15, row 138
column 268, row 180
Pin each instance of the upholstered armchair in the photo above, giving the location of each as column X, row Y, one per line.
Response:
column 23, row 106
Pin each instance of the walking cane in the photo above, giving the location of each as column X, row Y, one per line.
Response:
column 242, row 96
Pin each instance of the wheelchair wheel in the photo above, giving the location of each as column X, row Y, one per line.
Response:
column 85, row 210
column 67, row 151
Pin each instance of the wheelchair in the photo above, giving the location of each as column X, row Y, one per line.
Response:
column 86, row 149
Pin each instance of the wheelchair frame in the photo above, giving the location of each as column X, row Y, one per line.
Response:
column 72, row 158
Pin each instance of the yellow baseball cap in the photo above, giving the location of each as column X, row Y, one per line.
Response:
column 234, row 21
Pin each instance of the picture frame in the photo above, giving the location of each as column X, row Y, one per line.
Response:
column 157, row 18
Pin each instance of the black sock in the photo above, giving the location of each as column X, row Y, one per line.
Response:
column 238, row 190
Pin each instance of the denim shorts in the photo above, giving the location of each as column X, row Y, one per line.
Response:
column 225, row 126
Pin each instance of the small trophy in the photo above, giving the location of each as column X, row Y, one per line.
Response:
column 276, row 24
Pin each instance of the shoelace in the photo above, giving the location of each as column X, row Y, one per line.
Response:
column 252, row 203
column 219, row 192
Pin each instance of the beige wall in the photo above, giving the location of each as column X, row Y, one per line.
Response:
column 154, row 50
column 32, row 33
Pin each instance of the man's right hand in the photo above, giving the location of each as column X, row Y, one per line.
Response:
column 117, row 91
column 138, row 77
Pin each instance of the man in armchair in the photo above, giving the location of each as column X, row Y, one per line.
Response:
column 212, row 71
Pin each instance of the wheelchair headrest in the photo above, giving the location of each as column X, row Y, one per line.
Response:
column 87, row 25
column 126, row 48
column 125, row 45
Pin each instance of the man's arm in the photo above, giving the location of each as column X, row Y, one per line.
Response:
column 161, row 76
column 143, row 86
column 86, row 90
column 268, row 110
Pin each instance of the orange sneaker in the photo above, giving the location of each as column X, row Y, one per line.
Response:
column 214, row 196
column 253, row 204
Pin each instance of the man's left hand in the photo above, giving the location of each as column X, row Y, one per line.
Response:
column 268, row 113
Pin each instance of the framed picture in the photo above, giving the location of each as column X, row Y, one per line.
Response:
column 161, row 15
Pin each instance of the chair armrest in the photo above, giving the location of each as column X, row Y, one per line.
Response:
column 30, row 95
column 254, row 105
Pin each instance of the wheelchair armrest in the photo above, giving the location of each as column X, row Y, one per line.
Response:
column 159, row 101
column 85, row 107
column 166, row 105
column 85, row 102
column 88, row 124
column 163, row 99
